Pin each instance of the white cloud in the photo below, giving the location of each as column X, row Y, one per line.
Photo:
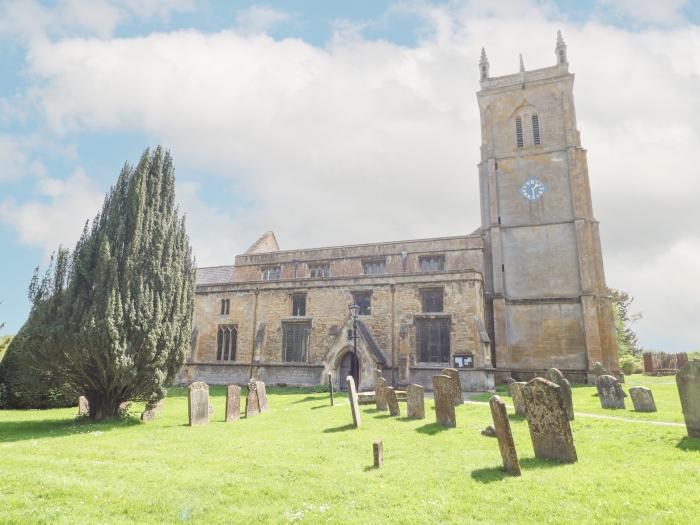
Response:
column 655, row 12
column 17, row 160
column 57, row 218
column 368, row 141
column 259, row 18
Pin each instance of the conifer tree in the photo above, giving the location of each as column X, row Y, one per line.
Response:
column 115, row 314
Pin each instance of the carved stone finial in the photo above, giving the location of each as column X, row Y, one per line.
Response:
column 483, row 65
column 483, row 53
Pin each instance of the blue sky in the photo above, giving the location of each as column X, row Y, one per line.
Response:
column 269, row 105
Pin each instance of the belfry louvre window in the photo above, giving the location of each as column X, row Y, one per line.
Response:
column 271, row 273
column 519, row 132
column 432, row 263
column 226, row 343
column 433, row 340
column 320, row 270
column 374, row 267
column 295, row 341
column 225, row 306
column 299, row 304
column 432, row 299
column 535, row 129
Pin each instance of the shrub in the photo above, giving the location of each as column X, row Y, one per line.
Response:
column 630, row 364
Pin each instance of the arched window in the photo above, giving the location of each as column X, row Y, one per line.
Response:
column 226, row 343
column 519, row 132
column 535, row 129
column 225, row 306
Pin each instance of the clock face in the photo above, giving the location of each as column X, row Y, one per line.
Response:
column 532, row 189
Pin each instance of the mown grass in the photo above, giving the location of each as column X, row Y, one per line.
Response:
column 303, row 462
column 586, row 400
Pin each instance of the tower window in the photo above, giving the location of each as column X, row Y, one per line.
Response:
column 271, row 273
column 432, row 263
column 320, row 270
column 519, row 132
column 535, row 129
column 299, row 304
column 374, row 267
column 226, row 343
column 225, row 306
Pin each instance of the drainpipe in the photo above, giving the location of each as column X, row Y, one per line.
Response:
column 393, row 338
column 255, row 325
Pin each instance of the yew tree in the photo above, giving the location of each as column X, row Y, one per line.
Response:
column 115, row 314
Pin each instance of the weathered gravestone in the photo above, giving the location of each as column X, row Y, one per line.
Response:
column 151, row 411
column 688, row 381
column 516, row 392
column 415, row 401
column 457, row 395
column 549, row 425
column 392, row 401
column 378, row 449
column 198, row 404
column 83, row 406
column 380, row 394
column 642, row 399
column 610, row 392
column 556, row 377
column 256, row 400
column 506, row 444
column 444, row 401
column 233, row 403
column 377, row 374
column 330, row 386
column 354, row 405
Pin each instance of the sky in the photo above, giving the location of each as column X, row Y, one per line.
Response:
column 335, row 123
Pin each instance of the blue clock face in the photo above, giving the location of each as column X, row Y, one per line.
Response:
column 532, row 189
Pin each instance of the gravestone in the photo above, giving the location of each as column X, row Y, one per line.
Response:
column 501, row 424
column 151, row 411
column 83, row 406
column 377, row 374
column 378, row 449
column 642, row 399
column 556, row 377
column 688, row 382
column 262, row 396
column 415, row 401
column 610, row 392
column 354, row 405
column 516, row 392
column 330, row 386
column 233, row 403
column 457, row 395
column 198, row 404
column 380, row 394
column 392, row 401
column 548, row 423
column 444, row 401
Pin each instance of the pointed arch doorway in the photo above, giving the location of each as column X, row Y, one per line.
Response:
column 349, row 366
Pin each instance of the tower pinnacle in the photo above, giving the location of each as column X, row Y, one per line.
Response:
column 561, row 50
column 484, row 65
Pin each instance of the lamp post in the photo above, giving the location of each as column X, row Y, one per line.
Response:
column 354, row 312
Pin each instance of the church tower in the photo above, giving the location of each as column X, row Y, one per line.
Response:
column 545, row 285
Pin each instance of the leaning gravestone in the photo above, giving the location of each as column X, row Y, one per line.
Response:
column 198, row 404
column 642, row 399
column 354, row 405
column 380, row 394
column 256, row 400
column 688, row 381
column 151, row 411
column 457, row 395
column 610, row 392
column 556, row 377
column 392, row 401
column 415, row 401
column 83, row 406
column 516, row 392
column 549, row 425
column 501, row 425
column 444, row 401
column 233, row 403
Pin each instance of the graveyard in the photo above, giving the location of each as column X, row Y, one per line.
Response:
column 303, row 461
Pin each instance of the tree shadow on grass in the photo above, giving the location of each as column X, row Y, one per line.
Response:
column 309, row 398
column 342, row 428
column 11, row 431
column 432, row 428
column 535, row 463
column 516, row 417
column 689, row 443
column 488, row 475
column 321, row 406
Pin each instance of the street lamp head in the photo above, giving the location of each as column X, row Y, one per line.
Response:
column 354, row 310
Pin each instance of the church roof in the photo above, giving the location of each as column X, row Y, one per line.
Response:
column 215, row 275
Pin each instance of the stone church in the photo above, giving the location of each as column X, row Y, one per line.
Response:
column 526, row 291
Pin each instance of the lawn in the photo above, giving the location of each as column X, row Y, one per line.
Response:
column 303, row 462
